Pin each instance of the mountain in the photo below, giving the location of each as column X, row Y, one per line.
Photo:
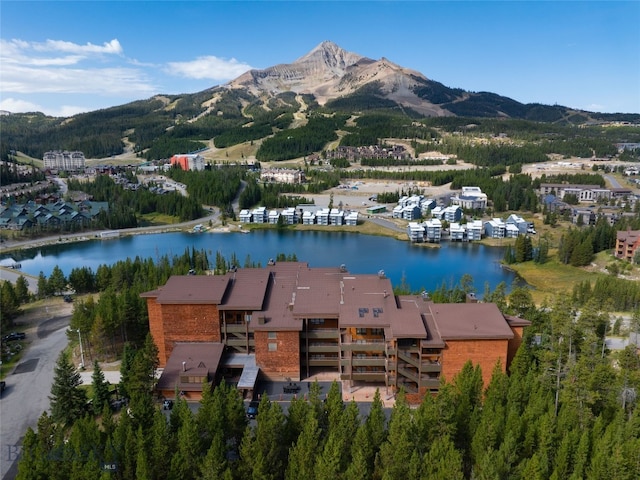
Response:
column 331, row 74
column 260, row 103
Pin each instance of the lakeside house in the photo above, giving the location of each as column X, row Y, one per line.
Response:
column 311, row 215
column 291, row 321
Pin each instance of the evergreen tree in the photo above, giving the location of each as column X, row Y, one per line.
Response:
column 22, row 290
column 215, row 464
column 57, row 281
column 360, row 466
column 302, row 455
column 397, row 449
column 9, row 303
column 185, row 461
column 68, row 401
column 442, row 461
column 101, row 392
column 43, row 288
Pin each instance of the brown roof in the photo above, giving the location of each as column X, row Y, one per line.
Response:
column 516, row 321
column 430, row 334
column 468, row 321
column 317, row 293
column 200, row 358
column 191, row 289
column 277, row 314
column 366, row 301
column 247, row 289
column 628, row 236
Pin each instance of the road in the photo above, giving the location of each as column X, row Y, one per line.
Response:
column 28, row 387
column 613, row 181
column 11, row 275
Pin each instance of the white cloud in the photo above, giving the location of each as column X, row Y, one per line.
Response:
column 112, row 48
column 30, row 67
column 15, row 105
column 208, row 68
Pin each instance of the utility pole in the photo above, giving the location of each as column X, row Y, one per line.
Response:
column 81, row 351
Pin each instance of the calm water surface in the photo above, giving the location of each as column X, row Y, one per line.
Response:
column 422, row 268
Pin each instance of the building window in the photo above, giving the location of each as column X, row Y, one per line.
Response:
column 316, row 321
column 273, row 347
column 361, row 331
column 377, row 331
column 271, row 335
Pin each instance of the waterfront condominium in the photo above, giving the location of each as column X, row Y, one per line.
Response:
column 291, row 321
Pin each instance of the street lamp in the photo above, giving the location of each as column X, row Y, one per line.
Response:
column 81, row 352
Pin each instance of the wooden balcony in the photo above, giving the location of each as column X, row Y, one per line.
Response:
column 321, row 348
column 320, row 333
column 428, row 367
column 321, row 362
column 363, row 347
column 363, row 362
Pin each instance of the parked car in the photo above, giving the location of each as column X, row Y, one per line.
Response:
column 252, row 409
column 167, row 404
column 68, row 298
column 3, row 385
column 118, row 403
column 14, row 336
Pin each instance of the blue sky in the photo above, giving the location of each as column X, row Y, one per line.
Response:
column 66, row 57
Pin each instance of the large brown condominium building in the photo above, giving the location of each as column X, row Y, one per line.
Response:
column 291, row 321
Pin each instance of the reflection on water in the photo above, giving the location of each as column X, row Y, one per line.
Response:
column 421, row 268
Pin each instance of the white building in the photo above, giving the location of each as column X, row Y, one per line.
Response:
column 67, row 161
column 415, row 231
column 474, row 230
column 351, row 218
column 245, row 216
column 471, row 198
column 322, row 217
column 282, row 175
column 274, row 215
column 433, row 230
column 494, row 228
column 259, row 215
column 336, row 217
column 308, row 218
column 290, row 216
column 456, row 232
column 188, row 161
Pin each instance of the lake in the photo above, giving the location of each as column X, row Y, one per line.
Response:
column 421, row 267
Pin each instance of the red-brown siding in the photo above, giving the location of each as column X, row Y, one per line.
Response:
column 156, row 328
column 285, row 361
column 182, row 323
column 514, row 344
column 481, row 352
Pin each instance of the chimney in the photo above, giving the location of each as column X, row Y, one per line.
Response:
column 184, row 366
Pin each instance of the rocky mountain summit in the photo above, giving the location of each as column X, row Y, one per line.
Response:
column 328, row 72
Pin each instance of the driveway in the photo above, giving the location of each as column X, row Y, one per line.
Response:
column 28, row 388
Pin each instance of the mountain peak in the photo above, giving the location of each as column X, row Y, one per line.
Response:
column 330, row 55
